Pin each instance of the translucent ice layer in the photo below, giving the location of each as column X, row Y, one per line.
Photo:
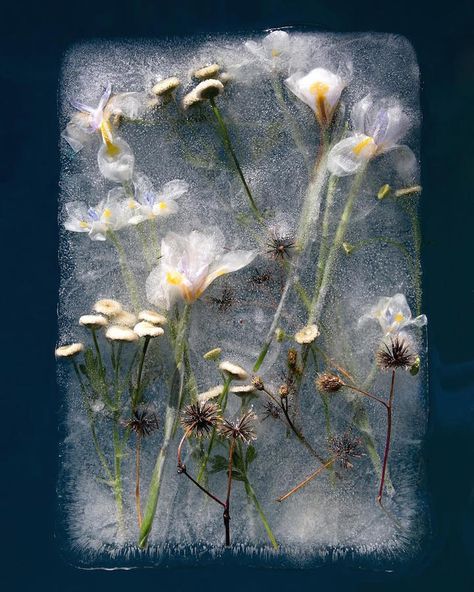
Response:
column 241, row 335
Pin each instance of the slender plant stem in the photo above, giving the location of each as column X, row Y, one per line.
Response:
column 366, row 394
column 137, row 396
column 308, row 479
column 137, row 481
column 226, row 514
column 225, row 136
column 327, row 268
column 253, row 497
column 127, row 274
column 388, row 438
column 308, row 217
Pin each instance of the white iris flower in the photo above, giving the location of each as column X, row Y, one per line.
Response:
column 274, row 49
column 320, row 89
column 394, row 314
column 108, row 215
column 377, row 127
column 189, row 264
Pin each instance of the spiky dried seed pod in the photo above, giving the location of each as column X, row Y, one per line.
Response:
column 243, row 429
column 396, row 354
column 328, row 382
column 345, row 447
column 199, row 418
column 143, row 422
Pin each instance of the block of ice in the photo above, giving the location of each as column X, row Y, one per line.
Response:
column 241, row 337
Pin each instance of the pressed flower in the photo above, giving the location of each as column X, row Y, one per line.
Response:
column 148, row 204
column 307, row 334
column 394, row 314
column 189, row 264
column 320, row 89
column 233, row 371
column 93, row 321
column 95, row 221
column 120, row 333
column 273, row 51
column 153, row 317
column 125, row 319
column 69, row 351
column 108, row 307
column 146, row 329
column 376, row 127
column 116, row 161
column 166, row 86
column 211, row 393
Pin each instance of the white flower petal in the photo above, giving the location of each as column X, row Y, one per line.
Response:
column 347, row 156
column 116, row 161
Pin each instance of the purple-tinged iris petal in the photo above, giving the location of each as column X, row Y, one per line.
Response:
column 149, row 197
column 105, row 97
column 93, row 215
column 380, row 126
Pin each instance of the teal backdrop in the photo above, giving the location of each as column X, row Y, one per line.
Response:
column 33, row 37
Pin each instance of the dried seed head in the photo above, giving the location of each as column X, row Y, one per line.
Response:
column 292, row 359
column 153, row 317
column 93, row 321
column 120, row 333
column 348, row 248
column 69, row 351
column 258, row 383
column 284, row 391
column 271, row 410
column 213, row 354
column 199, row 418
column 280, row 247
column 166, row 86
column 396, row 354
column 125, row 319
column 307, row 334
column 143, row 422
column 108, row 307
column 207, row 72
column 328, row 383
column 145, row 329
column 233, row 371
column 345, row 447
column 243, row 429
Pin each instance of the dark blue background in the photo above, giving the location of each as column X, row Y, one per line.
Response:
column 33, row 38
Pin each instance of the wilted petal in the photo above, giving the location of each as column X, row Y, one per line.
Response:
column 348, row 155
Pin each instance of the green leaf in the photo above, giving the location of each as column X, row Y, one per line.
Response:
column 218, row 464
column 251, row 454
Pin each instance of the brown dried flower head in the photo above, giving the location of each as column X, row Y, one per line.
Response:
column 258, row 383
column 396, row 354
column 143, row 422
column 243, row 429
column 199, row 418
column 345, row 447
column 328, row 382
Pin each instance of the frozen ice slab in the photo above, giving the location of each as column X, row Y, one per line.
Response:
column 242, row 345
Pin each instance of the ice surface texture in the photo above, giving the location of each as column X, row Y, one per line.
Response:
column 260, row 193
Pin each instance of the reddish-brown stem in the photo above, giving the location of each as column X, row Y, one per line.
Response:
column 183, row 471
column 137, row 481
column 226, row 514
column 387, row 441
column 308, row 479
column 366, row 394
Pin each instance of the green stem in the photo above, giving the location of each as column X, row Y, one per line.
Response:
column 127, row 275
column 322, row 286
column 137, row 397
column 225, row 136
column 323, row 249
column 252, row 496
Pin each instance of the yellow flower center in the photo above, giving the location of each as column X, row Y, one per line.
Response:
column 399, row 317
column 107, row 213
column 275, row 53
column 83, row 224
column 362, row 144
column 174, row 278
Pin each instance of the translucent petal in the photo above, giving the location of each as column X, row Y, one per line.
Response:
column 347, row 156
column 116, row 166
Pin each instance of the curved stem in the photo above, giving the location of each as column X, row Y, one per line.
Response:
column 388, row 438
column 366, row 394
column 225, row 136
